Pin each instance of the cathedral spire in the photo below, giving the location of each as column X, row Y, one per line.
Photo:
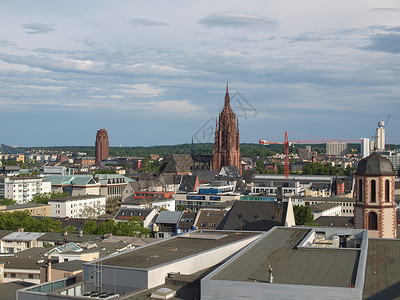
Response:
column 227, row 99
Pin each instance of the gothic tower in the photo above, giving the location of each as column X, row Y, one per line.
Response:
column 375, row 209
column 227, row 148
column 101, row 147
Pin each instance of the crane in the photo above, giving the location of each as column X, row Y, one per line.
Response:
column 288, row 143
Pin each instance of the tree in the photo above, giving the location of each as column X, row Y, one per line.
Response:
column 302, row 215
column 90, row 212
column 180, row 207
column 113, row 204
column 7, row 201
column 89, row 227
column 260, row 167
column 44, row 198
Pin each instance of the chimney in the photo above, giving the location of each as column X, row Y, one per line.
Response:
column 270, row 277
column 49, row 268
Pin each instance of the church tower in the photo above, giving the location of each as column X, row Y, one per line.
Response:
column 375, row 208
column 101, row 147
column 227, row 148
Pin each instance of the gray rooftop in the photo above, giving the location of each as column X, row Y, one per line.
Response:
column 174, row 249
column 375, row 164
column 23, row 236
column 292, row 265
column 75, row 198
column 382, row 275
column 169, row 217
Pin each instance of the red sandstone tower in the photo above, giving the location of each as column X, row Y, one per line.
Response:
column 375, row 208
column 102, row 146
column 227, row 148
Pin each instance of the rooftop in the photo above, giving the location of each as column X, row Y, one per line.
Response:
column 23, row 236
column 75, row 198
column 335, row 267
column 175, row 248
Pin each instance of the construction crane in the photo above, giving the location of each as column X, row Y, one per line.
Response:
column 286, row 150
column 288, row 143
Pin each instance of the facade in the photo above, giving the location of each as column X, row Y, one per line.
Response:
column 112, row 185
column 21, row 189
column 336, row 149
column 102, row 146
column 35, row 209
column 375, row 208
column 19, row 241
column 75, row 185
column 227, row 147
column 365, row 147
column 380, row 136
column 347, row 204
column 77, row 206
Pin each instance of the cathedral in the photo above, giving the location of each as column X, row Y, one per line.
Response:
column 227, row 148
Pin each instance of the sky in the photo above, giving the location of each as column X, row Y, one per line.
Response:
column 155, row 72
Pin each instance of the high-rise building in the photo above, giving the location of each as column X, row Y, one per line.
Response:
column 227, row 148
column 102, row 146
column 336, row 148
column 375, row 208
column 365, row 150
column 380, row 136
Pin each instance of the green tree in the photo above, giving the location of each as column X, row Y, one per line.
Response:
column 302, row 215
column 44, row 198
column 260, row 167
column 180, row 207
column 89, row 227
column 7, row 201
column 113, row 204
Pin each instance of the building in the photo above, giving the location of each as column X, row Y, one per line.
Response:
column 22, row 189
column 19, row 241
column 102, row 147
column 127, row 213
column 347, row 204
column 112, row 185
column 88, row 206
column 375, row 208
column 336, row 149
column 35, row 209
column 326, row 209
column 75, row 185
column 227, row 148
column 380, row 136
column 294, row 263
column 365, row 147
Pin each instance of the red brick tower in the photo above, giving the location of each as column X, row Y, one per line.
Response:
column 227, row 148
column 375, row 209
column 102, row 146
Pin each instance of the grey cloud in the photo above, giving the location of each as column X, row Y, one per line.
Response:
column 231, row 19
column 146, row 22
column 306, row 37
column 389, row 43
column 38, row 28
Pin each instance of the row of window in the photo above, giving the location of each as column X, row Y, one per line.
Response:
column 373, row 190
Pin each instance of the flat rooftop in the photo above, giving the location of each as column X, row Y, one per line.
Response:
column 335, row 267
column 382, row 274
column 175, row 248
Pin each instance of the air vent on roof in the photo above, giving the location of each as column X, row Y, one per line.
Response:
column 163, row 293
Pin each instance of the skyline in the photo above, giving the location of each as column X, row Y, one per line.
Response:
column 155, row 73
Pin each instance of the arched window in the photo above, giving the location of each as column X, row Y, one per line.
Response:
column 373, row 191
column 387, row 190
column 360, row 189
column 373, row 221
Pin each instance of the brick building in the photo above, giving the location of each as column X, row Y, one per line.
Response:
column 102, row 146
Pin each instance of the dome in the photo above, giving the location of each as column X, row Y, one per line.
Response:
column 375, row 164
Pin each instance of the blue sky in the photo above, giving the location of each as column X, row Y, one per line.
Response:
column 154, row 72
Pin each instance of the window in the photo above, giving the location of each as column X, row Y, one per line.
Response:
column 387, row 190
column 373, row 191
column 203, row 224
column 360, row 190
column 30, row 276
column 212, row 225
column 372, row 221
column 12, row 275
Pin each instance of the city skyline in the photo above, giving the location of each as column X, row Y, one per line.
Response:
column 154, row 73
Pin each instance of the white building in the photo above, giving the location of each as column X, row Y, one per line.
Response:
column 380, row 136
column 336, row 149
column 78, row 206
column 22, row 190
column 365, row 150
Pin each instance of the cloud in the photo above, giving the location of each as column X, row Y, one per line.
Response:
column 175, row 106
column 306, row 37
column 38, row 28
column 389, row 43
column 234, row 20
column 145, row 90
column 146, row 22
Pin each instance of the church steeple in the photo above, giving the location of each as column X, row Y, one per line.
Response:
column 227, row 99
column 226, row 148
